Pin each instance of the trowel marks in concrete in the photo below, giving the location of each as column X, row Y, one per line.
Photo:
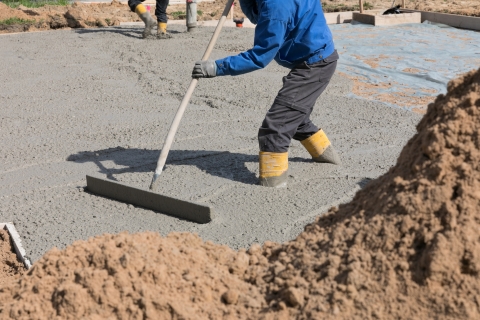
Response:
column 102, row 103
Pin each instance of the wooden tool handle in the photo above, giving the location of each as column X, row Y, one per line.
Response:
column 186, row 99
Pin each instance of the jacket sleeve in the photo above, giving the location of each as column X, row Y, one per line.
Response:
column 269, row 37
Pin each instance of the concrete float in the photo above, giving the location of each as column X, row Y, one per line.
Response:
column 182, row 209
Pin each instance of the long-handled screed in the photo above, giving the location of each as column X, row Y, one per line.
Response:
column 186, row 99
column 151, row 200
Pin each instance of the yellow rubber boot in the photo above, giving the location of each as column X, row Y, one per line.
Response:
column 321, row 149
column 162, row 31
column 147, row 19
column 273, row 169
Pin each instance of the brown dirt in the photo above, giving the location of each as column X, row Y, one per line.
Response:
column 411, row 70
column 11, row 268
column 463, row 7
column 139, row 276
column 81, row 15
column 364, row 89
column 406, row 247
column 73, row 16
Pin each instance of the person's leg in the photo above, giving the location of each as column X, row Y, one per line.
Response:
column 306, row 129
column 320, row 75
column 314, row 140
column 274, row 138
column 137, row 7
column 161, row 14
column 132, row 4
column 290, row 114
column 278, row 127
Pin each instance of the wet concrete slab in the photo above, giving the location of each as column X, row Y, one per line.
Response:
column 100, row 102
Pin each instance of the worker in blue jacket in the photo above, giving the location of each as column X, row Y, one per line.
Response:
column 295, row 34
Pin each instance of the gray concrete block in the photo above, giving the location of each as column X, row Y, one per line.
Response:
column 377, row 19
column 339, row 17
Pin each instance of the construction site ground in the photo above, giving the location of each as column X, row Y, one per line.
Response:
column 100, row 101
column 95, row 98
column 88, row 14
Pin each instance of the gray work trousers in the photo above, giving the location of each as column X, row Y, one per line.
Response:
column 289, row 116
column 160, row 8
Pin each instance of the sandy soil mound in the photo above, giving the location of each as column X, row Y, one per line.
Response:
column 77, row 15
column 30, row 23
column 81, row 15
column 465, row 8
column 11, row 268
column 7, row 12
column 140, row 276
column 406, row 247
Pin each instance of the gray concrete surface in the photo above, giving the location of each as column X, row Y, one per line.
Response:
column 100, row 101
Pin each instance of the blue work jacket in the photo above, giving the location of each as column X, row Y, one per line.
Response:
column 289, row 31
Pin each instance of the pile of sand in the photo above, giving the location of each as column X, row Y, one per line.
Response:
column 464, row 8
column 11, row 268
column 407, row 246
column 139, row 276
column 80, row 15
column 77, row 15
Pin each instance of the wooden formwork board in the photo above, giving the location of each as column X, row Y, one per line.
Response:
column 453, row 20
column 17, row 243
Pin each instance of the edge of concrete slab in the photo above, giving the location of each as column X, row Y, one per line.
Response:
column 17, row 243
column 453, row 20
column 150, row 200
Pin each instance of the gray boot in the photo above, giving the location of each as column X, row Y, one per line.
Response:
column 328, row 156
column 321, row 149
column 147, row 19
column 273, row 169
column 162, row 31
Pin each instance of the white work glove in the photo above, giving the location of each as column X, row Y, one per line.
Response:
column 204, row 69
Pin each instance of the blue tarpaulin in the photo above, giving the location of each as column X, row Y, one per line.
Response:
column 405, row 65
